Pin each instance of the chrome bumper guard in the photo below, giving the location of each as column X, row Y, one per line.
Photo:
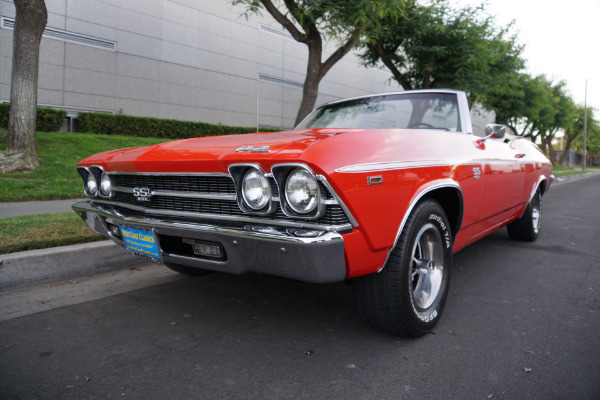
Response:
column 305, row 255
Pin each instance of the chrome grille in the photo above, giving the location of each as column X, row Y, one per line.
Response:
column 178, row 183
column 192, row 184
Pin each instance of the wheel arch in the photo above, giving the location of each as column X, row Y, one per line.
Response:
column 451, row 200
column 450, row 197
column 542, row 184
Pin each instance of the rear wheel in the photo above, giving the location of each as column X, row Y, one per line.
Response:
column 407, row 297
column 527, row 227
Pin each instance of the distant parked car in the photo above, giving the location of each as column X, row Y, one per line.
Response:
column 378, row 190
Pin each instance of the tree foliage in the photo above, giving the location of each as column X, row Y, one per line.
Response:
column 436, row 45
column 313, row 22
column 593, row 136
column 573, row 133
column 534, row 107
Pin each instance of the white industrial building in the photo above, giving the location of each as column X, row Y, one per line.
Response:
column 182, row 59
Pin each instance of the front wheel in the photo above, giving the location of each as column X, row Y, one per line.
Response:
column 527, row 227
column 407, row 297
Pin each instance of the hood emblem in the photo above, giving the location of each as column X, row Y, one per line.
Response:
column 252, row 149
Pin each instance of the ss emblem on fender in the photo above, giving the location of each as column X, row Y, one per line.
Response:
column 142, row 193
column 476, row 173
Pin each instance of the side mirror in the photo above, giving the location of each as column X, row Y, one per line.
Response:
column 497, row 131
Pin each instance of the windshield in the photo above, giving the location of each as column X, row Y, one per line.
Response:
column 395, row 111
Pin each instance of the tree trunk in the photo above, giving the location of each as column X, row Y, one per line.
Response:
column 310, row 91
column 551, row 153
column 569, row 141
column 30, row 21
column 316, row 70
column 419, row 108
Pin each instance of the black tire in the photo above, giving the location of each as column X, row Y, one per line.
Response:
column 396, row 299
column 527, row 227
column 185, row 270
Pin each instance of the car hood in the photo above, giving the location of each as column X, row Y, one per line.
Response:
column 213, row 154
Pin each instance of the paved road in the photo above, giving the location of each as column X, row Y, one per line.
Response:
column 513, row 308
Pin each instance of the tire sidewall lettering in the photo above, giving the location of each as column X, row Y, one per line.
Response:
column 430, row 315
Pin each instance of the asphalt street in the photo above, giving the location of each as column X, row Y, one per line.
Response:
column 521, row 322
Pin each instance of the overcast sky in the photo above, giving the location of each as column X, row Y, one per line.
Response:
column 561, row 38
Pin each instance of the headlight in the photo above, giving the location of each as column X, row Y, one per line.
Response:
column 302, row 191
column 256, row 190
column 91, row 185
column 105, row 185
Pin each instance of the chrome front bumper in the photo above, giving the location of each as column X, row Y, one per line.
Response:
column 310, row 256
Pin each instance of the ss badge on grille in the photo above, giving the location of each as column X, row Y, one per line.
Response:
column 142, row 193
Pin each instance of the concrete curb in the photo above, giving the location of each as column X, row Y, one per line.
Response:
column 46, row 265
column 575, row 177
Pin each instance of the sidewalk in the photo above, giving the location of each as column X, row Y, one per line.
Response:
column 36, row 207
column 66, row 262
column 574, row 177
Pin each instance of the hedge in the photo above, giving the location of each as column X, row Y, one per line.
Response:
column 117, row 124
column 48, row 119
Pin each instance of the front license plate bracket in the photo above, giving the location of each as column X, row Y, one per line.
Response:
column 141, row 242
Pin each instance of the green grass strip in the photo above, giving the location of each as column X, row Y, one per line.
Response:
column 42, row 231
column 59, row 152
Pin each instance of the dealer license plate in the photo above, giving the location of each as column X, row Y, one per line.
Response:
column 140, row 241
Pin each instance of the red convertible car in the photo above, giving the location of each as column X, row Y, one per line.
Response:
column 377, row 190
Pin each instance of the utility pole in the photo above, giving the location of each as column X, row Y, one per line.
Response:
column 584, row 127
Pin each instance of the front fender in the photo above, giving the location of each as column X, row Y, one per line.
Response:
column 437, row 190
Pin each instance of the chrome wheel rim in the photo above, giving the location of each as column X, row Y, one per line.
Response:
column 427, row 267
column 536, row 213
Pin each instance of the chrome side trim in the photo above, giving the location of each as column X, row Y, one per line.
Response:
column 238, row 218
column 393, row 165
column 400, row 165
column 409, row 211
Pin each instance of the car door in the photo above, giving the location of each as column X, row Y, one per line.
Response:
column 503, row 178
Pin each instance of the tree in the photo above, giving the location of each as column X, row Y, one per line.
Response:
column 517, row 102
column 435, row 45
column 575, row 129
column 533, row 107
column 30, row 21
column 562, row 116
column 314, row 21
column 593, row 139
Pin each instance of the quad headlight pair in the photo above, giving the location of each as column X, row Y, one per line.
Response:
column 96, row 182
column 299, row 192
column 256, row 190
column 302, row 191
